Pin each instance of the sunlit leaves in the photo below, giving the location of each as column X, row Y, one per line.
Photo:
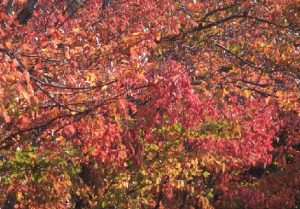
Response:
column 149, row 103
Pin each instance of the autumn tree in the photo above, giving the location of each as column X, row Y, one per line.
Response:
column 150, row 104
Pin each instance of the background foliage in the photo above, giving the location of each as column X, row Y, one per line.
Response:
column 149, row 104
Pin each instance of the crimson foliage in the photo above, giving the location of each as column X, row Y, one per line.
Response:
column 149, row 104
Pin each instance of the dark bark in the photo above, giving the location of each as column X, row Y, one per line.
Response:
column 73, row 6
column 26, row 13
column 9, row 5
column 106, row 3
column 10, row 201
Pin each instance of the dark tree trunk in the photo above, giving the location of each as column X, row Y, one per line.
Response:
column 73, row 6
column 26, row 12
column 10, row 201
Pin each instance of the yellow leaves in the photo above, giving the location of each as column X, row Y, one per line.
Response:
column 105, row 87
column 203, row 202
column 288, row 100
column 206, row 174
column 137, row 33
column 154, row 147
column 122, row 181
column 60, row 139
column 235, row 49
column 222, row 129
column 125, row 184
column 67, row 179
column 284, row 57
column 32, row 155
column 56, row 185
column 77, row 30
column 19, row 196
column 62, row 183
column 26, row 96
column 74, row 113
column 23, row 93
column 206, row 92
column 280, row 94
column 261, row 44
column 247, row 93
column 223, row 167
column 77, row 50
column 180, row 184
column 122, row 154
column 91, row 77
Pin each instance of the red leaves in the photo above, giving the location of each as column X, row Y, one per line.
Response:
column 111, row 88
column 172, row 97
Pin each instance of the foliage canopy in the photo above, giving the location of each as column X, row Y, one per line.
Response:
column 150, row 104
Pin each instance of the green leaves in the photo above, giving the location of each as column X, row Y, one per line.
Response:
column 223, row 129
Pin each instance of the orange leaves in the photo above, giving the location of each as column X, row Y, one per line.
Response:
column 134, row 53
column 24, row 121
column 9, row 45
column 67, row 53
column 288, row 101
column 14, row 64
column 4, row 114
column 79, row 31
column 125, row 137
column 158, row 36
column 23, row 93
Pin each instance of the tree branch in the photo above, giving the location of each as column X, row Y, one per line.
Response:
column 244, row 61
column 201, row 27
